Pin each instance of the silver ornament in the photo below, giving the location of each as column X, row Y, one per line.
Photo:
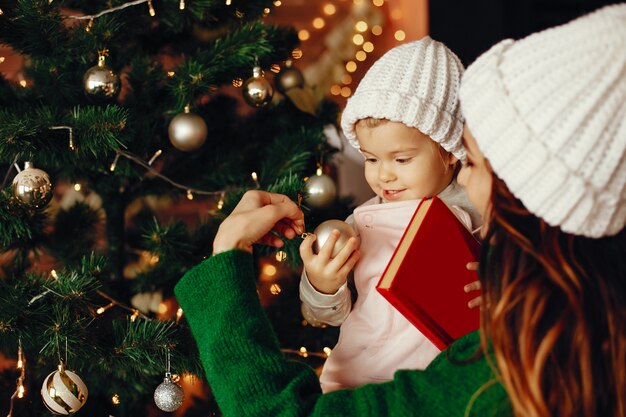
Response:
column 168, row 396
column 257, row 91
column 187, row 131
column 32, row 187
column 288, row 78
column 320, row 191
column 100, row 82
column 63, row 392
column 323, row 231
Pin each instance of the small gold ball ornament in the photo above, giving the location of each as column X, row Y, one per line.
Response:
column 288, row 78
column 187, row 131
column 257, row 91
column 320, row 191
column 168, row 396
column 323, row 231
column 100, row 82
column 63, row 392
column 32, row 187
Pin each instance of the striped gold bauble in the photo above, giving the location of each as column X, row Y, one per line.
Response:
column 63, row 392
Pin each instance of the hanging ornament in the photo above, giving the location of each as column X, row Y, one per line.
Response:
column 289, row 78
column 99, row 81
column 323, row 231
column 168, row 396
column 320, row 191
column 187, row 131
column 32, row 187
column 63, row 392
column 257, row 91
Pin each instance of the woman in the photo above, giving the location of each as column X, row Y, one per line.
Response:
column 546, row 138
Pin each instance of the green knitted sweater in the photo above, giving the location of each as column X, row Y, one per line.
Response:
column 249, row 376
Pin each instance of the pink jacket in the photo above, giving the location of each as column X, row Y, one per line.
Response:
column 375, row 339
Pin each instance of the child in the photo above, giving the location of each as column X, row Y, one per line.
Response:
column 405, row 119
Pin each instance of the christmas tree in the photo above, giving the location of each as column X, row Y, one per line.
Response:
column 124, row 147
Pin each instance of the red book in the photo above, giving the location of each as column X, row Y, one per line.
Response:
column 425, row 277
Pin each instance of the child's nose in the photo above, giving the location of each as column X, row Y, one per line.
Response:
column 385, row 173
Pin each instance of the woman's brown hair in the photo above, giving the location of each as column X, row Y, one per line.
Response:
column 554, row 310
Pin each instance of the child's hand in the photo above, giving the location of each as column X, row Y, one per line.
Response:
column 327, row 274
column 473, row 286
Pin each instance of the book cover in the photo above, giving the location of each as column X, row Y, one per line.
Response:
column 425, row 277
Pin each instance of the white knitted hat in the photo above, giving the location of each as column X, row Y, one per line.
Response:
column 549, row 113
column 416, row 83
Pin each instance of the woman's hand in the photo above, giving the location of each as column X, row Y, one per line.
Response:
column 258, row 214
column 473, row 286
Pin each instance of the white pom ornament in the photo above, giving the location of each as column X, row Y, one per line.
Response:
column 323, row 231
column 63, row 392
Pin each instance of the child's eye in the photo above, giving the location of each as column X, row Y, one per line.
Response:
column 403, row 160
column 370, row 160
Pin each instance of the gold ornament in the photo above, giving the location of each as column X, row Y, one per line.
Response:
column 322, row 232
column 63, row 392
column 289, row 78
column 100, row 82
column 32, row 187
column 187, row 131
column 320, row 191
column 257, row 91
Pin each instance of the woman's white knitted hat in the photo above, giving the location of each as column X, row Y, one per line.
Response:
column 417, row 84
column 549, row 113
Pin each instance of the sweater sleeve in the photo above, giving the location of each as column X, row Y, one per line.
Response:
column 250, row 378
column 331, row 309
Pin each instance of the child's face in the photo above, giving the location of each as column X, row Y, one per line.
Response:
column 476, row 175
column 401, row 163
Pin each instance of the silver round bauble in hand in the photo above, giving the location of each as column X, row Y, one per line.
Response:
column 63, row 392
column 32, row 187
column 257, row 91
column 320, row 191
column 323, row 231
column 168, row 396
column 187, row 131
column 100, row 82
column 288, row 78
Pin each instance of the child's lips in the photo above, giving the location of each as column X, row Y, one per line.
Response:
column 392, row 194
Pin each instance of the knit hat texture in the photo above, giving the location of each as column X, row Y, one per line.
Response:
column 417, row 84
column 549, row 113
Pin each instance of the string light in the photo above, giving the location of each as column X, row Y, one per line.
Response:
column 275, row 68
column 378, row 3
column 23, row 83
column 1, row 12
column 115, row 399
column 255, row 178
column 1, row 59
column 181, row 5
column 329, row 9
column 350, row 66
column 229, row 2
column 304, row 352
column 360, row 56
column 361, row 26
column 303, row 34
column 170, row 74
column 155, row 156
column 318, row 23
column 327, row 351
column 134, row 316
column 399, row 35
column 358, row 39
column 104, row 308
column 281, row 256
column 220, row 203
column 89, row 25
column 335, row 90
column 179, row 314
column 368, row 47
column 54, row 274
column 189, row 195
column 346, row 79
column 346, row 92
column 278, row 3
column 151, row 9
column 114, row 163
column 237, row 82
column 377, row 30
